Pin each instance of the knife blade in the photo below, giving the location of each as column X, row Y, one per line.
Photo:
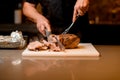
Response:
column 47, row 34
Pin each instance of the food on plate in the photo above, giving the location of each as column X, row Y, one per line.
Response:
column 56, row 43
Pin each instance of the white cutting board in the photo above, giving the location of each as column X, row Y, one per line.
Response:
column 84, row 49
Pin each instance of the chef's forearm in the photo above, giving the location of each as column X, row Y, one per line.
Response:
column 30, row 11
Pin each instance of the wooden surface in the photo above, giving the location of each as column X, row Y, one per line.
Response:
column 84, row 49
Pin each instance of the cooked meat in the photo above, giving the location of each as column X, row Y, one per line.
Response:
column 36, row 45
column 54, row 43
column 67, row 41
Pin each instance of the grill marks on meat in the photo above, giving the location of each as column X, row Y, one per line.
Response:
column 69, row 41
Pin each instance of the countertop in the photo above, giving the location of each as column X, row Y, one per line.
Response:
column 106, row 67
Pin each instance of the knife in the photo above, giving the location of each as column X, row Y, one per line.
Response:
column 47, row 34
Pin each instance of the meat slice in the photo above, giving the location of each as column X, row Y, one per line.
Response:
column 36, row 45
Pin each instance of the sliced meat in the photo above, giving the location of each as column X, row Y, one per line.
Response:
column 36, row 45
column 54, row 46
column 69, row 41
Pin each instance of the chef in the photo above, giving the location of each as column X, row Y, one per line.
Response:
column 57, row 15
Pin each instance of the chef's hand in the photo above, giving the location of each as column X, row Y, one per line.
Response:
column 42, row 24
column 80, row 8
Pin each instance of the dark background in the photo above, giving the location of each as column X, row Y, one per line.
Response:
column 7, row 8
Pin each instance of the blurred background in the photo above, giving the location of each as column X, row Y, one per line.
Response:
column 104, row 19
column 100, row 11
column 8, row 8
column 104, row 11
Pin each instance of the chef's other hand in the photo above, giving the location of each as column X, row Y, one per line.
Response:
column 80, row 8
column 42, row 24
